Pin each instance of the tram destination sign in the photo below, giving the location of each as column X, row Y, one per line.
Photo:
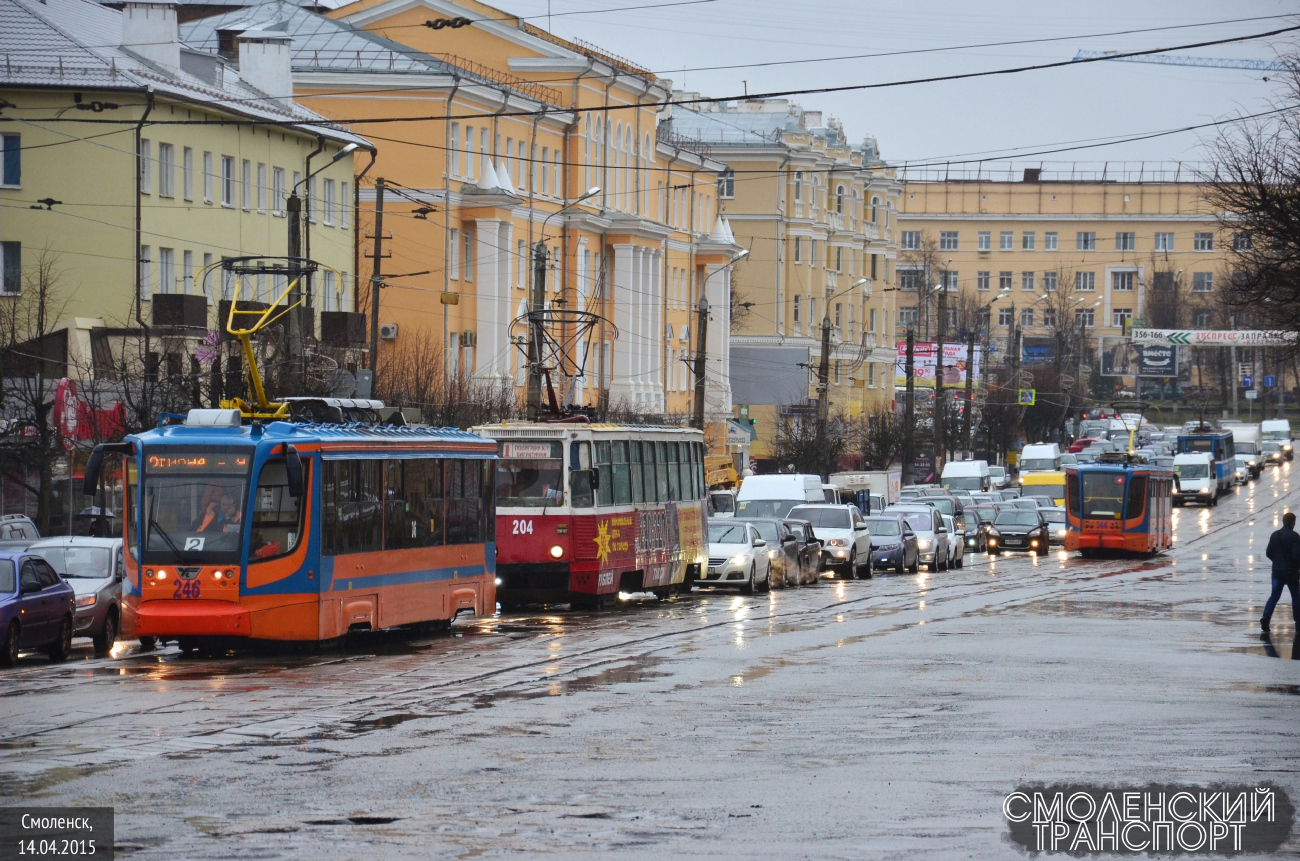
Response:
column 1215, row 337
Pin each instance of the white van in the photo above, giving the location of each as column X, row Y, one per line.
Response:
column 1041, row 457
column 1278, row 430
column 971, row 475
column 1197, row 480
column 775, row 495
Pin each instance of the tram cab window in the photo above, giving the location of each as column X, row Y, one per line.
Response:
column 638, row 484
column 1103, row 495
column 528, row 474
column 604, row 475
column 1137, row 497
column 277, row 515
column 581, row 492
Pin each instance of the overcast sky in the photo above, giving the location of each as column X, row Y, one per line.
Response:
column 961, row 119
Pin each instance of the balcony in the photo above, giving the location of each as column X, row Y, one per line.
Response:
column 835, row 220
column 871, row 230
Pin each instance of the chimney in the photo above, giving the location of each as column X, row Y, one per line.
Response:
column 264, row 62
column 1032, row 174
column 149, row 30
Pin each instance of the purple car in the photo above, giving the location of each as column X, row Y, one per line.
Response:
column 36, row 608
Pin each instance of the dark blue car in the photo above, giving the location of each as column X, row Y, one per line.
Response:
column 36, row 608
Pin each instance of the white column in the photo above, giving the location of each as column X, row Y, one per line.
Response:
column 620, row 383
column 717, row 368
column 491, row 308
column 584, row 290
column 656, row 295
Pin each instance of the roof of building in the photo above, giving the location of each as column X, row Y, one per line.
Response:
column 77, row 43
column 760, row 122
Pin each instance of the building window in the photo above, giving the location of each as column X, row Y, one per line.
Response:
column 981, row 280
column 207, row 177
column 453, row 247
column 521, row 253
column 1122, row 280
column 1164, row 242
column 1004, row 280
column 871, row 374
column 327, row 201
column 907, row 318
column 1085, row 281
column 910, row 240
column 839, row 199
column 468, row 236
column 949, row 281
column 1202, row 282
column 1004, row 317
column 227, row 180
column 278, row 196
column 797, row 311
column 798, row 249
column 261, row 188
column 1005, row 240
column 187, row 272
column 1242, row 242
column 984, row 241
column 1049, row 282
column 246, row 184
column 1050, row 242
column 1202, row 319
column 1027, row 282
column 839, row 315
column 909, row 278
column 1085, row 241
column 839, row 259
column 1202, row 241
column 873, row 320
column 727, row 184
column 875, row 208
column 345, row 204
column 1049, row 318
column 166, row 170
column 166, row 270
column 146, row 166
column 187, row 173
column 11, row 267
column 947, row 240
column 1125, row 241
column 146, row 271
column 11, row 172
column 1027, row 240
column 1027, row 317
column 1120, row 316
column 1085, row 318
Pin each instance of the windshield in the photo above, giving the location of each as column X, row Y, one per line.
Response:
column 1245, row 448
column 730, row 534
column 824, row 518
column 981, row 512
column 920, row 521
column 884, row 526
column 722, row 502
column 997, row 472
column 946, row 505
column 778, row 508
column 1191, row 470
column 1283, row 435
column 1103, row 495
column 1272, row 446
column 964, row 483
column 1054, row 516
column 1038, row 463
column 194, row 503
column 1205, row 444
column 1016, row 518
column 767, row 531
column 530, row 474
column 91, row 563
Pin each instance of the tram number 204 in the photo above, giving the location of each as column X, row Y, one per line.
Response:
column 522, row 527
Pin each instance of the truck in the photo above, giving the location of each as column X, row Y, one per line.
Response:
column 868, row 489
column 1041, row 456
column 1278, row 430
column 775, row 495
column 1246, row 440
column 968, row 475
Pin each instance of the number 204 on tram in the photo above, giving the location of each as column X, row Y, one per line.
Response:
column 1118, row 504
column 302, row 531
column 588, row 511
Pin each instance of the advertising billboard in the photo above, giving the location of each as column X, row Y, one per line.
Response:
column 1119, row 357
column 955, row 364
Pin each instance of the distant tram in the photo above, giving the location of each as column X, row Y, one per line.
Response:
column 1118, row 504
column 588, row 511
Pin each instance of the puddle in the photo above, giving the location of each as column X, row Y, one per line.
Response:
column 1252, row 688
column 357, row 727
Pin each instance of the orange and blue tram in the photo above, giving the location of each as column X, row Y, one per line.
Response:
column 301, row 531
column 1119, row 505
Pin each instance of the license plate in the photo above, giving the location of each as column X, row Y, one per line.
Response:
column 713, row 572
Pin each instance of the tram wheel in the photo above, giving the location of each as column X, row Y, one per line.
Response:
column 188, row 647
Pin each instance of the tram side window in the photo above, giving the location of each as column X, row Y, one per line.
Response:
column 1137, row 497
column 697, row 471
column 277, row 516
column 604, row 469
column 674, row 473
column 622, row 478
column 661, row 457
column 353, row 506
column 467, row 510
column 413, row 505
column 638, row 485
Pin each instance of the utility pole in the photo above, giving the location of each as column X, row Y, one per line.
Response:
column 909, row 414
column 823, row 377
column 970, row 383
column 701, row 343
column 939, row 411
column 294, row 207
column 536, row 302
column 376, row 282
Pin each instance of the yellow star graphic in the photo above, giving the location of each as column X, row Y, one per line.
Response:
column 602, row 540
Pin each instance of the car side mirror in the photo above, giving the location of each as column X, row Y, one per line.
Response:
column 30, row 586
column 118, row 576
column 759, row 542
column 788, row 539
column 858, row 527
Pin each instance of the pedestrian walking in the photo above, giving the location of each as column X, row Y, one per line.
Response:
column 1284, row 551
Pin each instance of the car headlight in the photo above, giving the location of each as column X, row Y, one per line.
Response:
column 1204, row 490
column 923, row 543
column 1250, row 463
column 887, row 547
column 738, row 559
column 838, row 542
column 1061, row 531
column 86, row 601
column 1286, row 447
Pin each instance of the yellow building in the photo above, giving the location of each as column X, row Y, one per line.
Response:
column 817, row 213
column 513, row 124
column 1052, row 251
column 131, row 165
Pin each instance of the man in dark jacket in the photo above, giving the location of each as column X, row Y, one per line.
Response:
column 1284, row 551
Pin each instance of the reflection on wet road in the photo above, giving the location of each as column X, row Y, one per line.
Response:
column 713, row 723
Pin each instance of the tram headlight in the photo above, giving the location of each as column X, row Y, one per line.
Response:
column 556, row 551
column 162, row 574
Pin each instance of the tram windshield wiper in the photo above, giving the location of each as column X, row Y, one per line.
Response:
column 162, row 533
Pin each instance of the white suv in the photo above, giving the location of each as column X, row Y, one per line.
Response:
column 846, row 540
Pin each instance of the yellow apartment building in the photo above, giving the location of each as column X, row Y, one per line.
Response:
column 818, row 215
column 133, row 161
column 508, row 126
column 1051, row 249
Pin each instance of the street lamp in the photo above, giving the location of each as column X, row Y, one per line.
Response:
column 702, row 336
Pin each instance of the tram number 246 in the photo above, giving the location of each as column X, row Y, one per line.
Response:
column 522, row 527
column 186, row 588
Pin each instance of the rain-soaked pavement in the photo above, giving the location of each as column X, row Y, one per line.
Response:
column 883, row 718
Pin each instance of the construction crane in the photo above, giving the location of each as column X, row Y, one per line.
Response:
column 1177, row 60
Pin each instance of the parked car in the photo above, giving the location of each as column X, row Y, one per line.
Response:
column 956, row 543
column 1018, row 530
column 737, row 557
column 1055, row 518
column 893, row 544
column 782, row 549
column 18, row 527
column 846, row 541
column 94, row 567
column 36, row 608
column 931, row 534
column 810, row 550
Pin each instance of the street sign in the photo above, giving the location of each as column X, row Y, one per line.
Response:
column 1251, row 394
column 1027, row 397
column 1270, row 381
column 1248, row 382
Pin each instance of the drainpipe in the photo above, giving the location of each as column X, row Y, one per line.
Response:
column 356, row 218
column 567, row 162
column 447, row 156
column 139, row 234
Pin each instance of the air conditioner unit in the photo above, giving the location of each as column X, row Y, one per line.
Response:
column 388, row 331
column 468, row 338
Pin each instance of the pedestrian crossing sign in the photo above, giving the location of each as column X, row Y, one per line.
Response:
column 1027, row 397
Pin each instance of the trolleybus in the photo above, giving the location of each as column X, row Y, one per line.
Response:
column 1119, row 504
column 588, row 511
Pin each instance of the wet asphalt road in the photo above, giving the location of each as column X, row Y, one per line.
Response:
column 844, row 720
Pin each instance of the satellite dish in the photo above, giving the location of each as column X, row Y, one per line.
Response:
column 343, row 384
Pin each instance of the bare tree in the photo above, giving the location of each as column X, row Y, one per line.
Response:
column 879, row 436
column 804, row 445
column 919, row 269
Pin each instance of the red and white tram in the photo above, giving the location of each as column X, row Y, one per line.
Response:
column 586, row 511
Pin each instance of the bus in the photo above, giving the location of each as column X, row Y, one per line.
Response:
column 1118, row 504
column 588, row 511
column 1045, row 484
column 1219, row 445
column 297, row 531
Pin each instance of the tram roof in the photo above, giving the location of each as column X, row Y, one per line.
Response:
column 561, row 428
column 305, row 432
